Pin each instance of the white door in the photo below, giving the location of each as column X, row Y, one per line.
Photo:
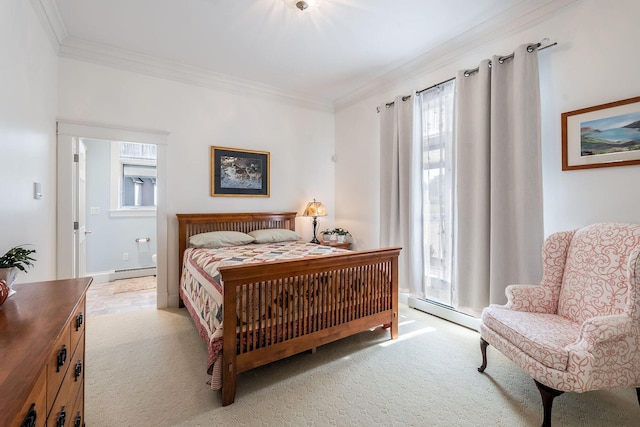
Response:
column 67, row 207
column 71, row 207
column 81, row 214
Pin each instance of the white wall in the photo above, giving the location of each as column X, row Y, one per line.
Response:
column 301, row 141
column 595, row 62
column 27, row 137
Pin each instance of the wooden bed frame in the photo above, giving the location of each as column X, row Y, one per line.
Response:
column 366, row 280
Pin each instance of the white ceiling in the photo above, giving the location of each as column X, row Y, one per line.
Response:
column 325, row 52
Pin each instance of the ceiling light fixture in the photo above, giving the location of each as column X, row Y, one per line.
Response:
column 300, row 4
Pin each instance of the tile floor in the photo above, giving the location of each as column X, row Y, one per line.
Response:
column 101, row 299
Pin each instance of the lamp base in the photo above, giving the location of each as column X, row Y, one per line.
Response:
column 315, row 225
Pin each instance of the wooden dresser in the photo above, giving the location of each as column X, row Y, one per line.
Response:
column 42, row 354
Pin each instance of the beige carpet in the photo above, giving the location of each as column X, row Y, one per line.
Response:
column 147, row 368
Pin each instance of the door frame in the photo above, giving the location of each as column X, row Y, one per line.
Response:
column 67, row 132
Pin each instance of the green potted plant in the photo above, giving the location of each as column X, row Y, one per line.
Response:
column 341, row 233
column 15, row 259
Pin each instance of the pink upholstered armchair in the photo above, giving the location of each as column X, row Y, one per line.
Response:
column 579, row 330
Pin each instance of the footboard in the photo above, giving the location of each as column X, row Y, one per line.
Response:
column 284, row 308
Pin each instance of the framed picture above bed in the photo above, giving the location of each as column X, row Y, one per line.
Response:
column 239, row 173
column 602, row 136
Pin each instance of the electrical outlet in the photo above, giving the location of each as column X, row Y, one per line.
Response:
column 125, row 256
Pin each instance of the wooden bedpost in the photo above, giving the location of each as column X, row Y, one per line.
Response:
column 394, row 297
column 229, row 355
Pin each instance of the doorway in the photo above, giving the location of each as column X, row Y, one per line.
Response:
column 71, row 137
column 119, row 206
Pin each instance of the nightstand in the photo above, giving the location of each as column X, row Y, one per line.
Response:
column 333, row 243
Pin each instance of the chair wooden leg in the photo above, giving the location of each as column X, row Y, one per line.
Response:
column 638, row 393
column 547, row 394
column 483, row 350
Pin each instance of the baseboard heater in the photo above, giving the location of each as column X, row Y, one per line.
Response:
column 125, row 273
column 134, row 269
column 445, row 312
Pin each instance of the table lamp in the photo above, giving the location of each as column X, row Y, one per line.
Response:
column 315, row 209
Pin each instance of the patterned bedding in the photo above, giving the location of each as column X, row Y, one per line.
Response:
column 201, row 287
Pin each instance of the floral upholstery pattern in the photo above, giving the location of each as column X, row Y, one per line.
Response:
column 579, row 330
column 544, row 337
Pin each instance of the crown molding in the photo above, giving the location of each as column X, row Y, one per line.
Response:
column 522, row 16
column 509, row 22
column 51, row 21
column 102, row 54
column 71, row 47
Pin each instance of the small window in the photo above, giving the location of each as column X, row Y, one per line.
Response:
column 133, row 179
column 138, row 185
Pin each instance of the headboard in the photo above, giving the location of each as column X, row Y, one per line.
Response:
column 190, row 224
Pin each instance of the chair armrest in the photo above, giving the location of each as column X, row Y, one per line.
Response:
column 543, row 298
column 532, row 298
column 602, row 328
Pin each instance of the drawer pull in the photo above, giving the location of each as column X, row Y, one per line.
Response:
column 78, row 420
column 62, row 357
column 78, row 370
column 62, row 417
column 79, row 320
column 31, row 417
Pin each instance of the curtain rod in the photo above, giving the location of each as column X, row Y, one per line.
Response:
column 469, row 72
column 501, row 59
column 404, row 98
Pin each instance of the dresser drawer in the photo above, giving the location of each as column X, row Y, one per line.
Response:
column 71, row 385
column 77, row 323
column 77, row 414
column 35, row 407
column 58, row 363
column 75, row 374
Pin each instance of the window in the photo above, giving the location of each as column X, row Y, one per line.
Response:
column 133, row 179
column 437, row 179
column 138, row 185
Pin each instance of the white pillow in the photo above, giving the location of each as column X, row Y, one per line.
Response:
column 219, row 239
column 273, row 235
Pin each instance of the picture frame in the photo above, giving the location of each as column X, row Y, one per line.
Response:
column 602, row 136
column 239, row 173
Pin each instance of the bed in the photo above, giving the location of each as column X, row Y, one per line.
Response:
column 281, row 307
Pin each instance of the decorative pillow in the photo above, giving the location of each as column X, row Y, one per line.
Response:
column 273, row 235
column 219, row 239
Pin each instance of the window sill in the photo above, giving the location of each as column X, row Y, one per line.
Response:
column 133, row 213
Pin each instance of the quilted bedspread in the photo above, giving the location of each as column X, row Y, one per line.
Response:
column 201, row 287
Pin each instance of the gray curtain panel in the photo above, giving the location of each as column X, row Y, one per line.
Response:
column 499, row 212
column 401, row 189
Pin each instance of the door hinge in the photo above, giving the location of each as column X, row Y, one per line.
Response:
column 76, row 158
column 76, row 226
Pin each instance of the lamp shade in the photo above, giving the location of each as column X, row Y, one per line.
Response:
column 314, row 209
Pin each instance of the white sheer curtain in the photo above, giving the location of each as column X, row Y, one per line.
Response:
column 499, row 180
column 401, row 189
column 437, row 107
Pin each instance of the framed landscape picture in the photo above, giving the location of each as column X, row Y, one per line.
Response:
column 237, row 172
column 602, row 136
